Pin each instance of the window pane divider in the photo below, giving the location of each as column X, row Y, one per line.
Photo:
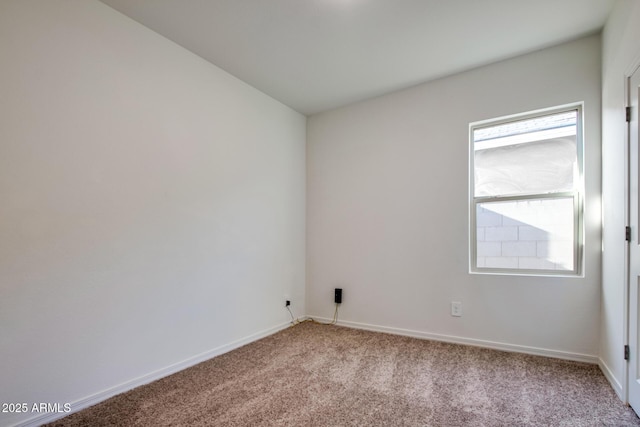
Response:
column 554, row 195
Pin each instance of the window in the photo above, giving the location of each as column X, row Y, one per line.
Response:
column 526, row 193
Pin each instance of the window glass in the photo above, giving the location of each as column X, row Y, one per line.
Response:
column 533, row 234
column 518, row 158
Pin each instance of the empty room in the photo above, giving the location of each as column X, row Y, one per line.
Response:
column 319, row 212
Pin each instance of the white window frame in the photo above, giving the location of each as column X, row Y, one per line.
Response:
column 577, row 194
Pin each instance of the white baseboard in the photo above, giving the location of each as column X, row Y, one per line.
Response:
column 558, row 354
column 615, row 384
column 93, row 399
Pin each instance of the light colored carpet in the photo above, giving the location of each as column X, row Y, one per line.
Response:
column 318, row 375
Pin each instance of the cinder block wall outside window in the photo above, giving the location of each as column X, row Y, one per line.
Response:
column 537, row 239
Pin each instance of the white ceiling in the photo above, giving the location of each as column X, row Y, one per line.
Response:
column 314, row 55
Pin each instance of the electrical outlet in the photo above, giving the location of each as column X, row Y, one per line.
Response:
column 456, row 308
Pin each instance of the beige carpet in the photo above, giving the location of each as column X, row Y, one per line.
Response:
column 318, row 375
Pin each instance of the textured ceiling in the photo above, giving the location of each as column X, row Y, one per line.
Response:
column 315, row 55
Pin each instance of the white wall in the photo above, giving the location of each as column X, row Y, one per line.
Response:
column 620, row 50
column 151, row 205
column 387, row 210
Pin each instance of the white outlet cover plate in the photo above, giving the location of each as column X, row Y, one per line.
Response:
column 456, row 308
